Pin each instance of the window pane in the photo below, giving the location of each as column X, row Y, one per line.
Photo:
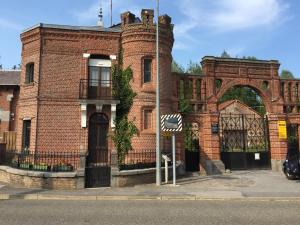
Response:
column 147, row 70
column 105, row 76
column 94, row 76
column 29, row 73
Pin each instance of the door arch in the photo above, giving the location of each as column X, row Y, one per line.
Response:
column 97, row 171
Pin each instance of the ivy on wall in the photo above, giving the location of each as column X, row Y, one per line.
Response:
column 185, row 106
column 125, row 129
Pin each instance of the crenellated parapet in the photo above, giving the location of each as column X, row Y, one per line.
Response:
column 144, row 29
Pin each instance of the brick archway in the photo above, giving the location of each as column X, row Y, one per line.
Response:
column 246, row 83
column 204, row 93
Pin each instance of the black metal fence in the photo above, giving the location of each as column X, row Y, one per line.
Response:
column 142, row 159
column 43, row 161
column 95, row 89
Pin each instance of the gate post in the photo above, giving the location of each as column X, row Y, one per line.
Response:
column 210, row 158
column 80, row 184
column 278, row 147
column 114, row 165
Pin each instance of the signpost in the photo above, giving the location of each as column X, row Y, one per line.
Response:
column 172, row 123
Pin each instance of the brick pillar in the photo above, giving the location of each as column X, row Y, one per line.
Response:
column 114, row 165
column 286, row 91
column 278, row 147
column 194, row 89
column 210, row 159
column 293, row 96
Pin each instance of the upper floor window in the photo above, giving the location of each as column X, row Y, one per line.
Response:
column 147, row 70
column 99, row 76
column 99, row 71
column 29, row 73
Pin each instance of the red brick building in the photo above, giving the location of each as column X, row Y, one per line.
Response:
column 9, row 93
column 66, row 102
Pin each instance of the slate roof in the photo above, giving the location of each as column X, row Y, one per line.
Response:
column 75, row 28
column 10, row 77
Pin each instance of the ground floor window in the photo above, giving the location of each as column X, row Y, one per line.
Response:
column 147, row 119
column 26, row 134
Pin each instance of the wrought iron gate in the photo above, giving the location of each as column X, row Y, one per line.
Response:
column 244, row 141
column 293, row 139
column 192, row 149
column 97, row 171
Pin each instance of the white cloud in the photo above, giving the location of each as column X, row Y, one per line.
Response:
column 7, row 24
column 230, row 15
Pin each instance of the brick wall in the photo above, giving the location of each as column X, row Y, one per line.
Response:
column 8, row 101
column 139, row 42
column 52, row 101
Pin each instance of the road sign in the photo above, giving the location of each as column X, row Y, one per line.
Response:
column 171, row 123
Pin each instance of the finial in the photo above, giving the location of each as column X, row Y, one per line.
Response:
column 100, row 22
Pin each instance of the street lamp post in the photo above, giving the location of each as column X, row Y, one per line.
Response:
column 158, row 152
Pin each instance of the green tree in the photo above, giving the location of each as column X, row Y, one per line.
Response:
column 285, row 74
column 176, row 67
column 194, row 68
column 225, row 54
column 246, row 95
column 250, row 57
column 185, row 107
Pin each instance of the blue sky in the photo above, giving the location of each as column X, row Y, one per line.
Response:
column 266, row 29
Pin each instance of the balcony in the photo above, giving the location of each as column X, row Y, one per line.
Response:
column 95, row 90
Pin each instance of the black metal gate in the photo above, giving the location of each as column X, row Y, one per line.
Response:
column 244, row 140
column 192, row 149
column 97, row 171
column 293, row 139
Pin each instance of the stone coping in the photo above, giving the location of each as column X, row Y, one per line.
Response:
column 40, row 174
column 133, row 172
column 118, row 172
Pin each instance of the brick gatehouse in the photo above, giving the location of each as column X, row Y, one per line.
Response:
column 65, row 103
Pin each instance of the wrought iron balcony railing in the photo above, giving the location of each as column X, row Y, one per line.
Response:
column 95, row 89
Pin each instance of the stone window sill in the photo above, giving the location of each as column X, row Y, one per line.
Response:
column 28, row 84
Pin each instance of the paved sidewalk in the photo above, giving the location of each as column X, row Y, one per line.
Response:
column 263, row 185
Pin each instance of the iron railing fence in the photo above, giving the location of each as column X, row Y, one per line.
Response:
column 43, row 161
column 95, row 89
column 143, row 159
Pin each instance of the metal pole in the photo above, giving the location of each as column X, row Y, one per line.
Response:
column 174, row 159
column 111, row 13
column 158, row 152
column 166, row 171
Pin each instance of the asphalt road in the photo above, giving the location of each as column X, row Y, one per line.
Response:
column 25, row 212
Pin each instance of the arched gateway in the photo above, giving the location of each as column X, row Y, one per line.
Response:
column 280, row 98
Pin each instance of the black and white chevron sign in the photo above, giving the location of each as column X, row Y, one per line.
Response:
column 171, row 122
